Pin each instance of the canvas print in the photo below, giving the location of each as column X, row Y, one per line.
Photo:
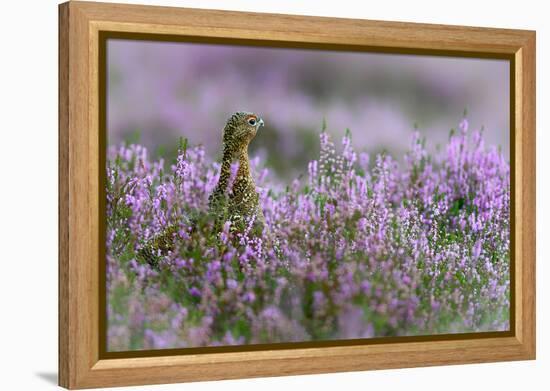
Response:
column 263, row 195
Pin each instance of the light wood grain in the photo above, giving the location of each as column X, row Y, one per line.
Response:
column 527, row 237
column 64, row 353
column 80, row 23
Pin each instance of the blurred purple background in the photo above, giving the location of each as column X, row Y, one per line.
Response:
column 166, row 90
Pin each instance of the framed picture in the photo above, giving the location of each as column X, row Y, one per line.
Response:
column 247, row 195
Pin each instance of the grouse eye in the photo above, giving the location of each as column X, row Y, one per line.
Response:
column 252, row 121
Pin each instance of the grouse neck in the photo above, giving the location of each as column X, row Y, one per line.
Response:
column 244, row 163
column 243, row 171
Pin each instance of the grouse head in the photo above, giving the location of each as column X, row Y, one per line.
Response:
column 239, row 130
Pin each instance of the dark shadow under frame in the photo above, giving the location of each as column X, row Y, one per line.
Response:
column 104, row 36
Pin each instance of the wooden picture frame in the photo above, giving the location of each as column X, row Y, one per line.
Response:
column 81, row 162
